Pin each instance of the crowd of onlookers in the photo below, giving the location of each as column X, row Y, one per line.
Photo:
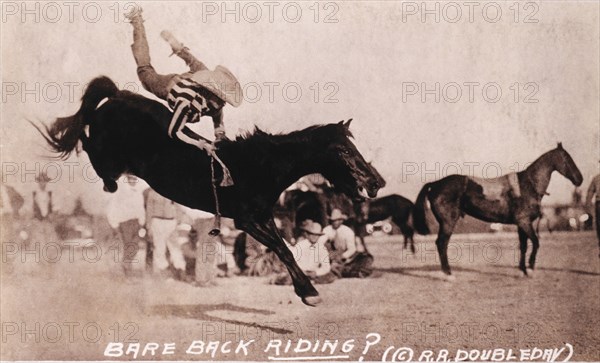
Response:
column 177, row 232
column 178, row 246
column 165, row 240
column 178, row 243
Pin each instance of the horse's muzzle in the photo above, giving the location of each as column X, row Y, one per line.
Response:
column 372, row 189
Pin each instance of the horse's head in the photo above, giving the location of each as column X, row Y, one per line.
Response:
column 564, row 164
column 343, row 165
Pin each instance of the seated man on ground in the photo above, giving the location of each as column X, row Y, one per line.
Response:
column 341, row 243
column 311, row 255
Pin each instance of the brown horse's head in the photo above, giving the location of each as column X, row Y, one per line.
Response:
column 343, row 165
column 564, row 164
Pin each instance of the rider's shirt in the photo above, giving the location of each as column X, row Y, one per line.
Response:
column 187, row 103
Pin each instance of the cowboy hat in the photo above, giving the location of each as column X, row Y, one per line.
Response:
column 222, row 83
column 337, row 214
column 311, row 227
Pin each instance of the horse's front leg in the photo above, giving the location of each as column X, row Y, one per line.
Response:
column 523, row 250
column 535, row 242
column 267, row 234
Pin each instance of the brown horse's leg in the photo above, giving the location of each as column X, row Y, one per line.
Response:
column 447, row 214
column 530, row 231
column 267, row 234
column 442, row 246
column 523, row 248
column 408, row 234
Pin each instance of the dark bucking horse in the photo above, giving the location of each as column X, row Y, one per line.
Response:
column 510, row 199
column 125, row 136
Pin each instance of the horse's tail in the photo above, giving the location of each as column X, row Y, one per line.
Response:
column 64, row 134
column 419, row 217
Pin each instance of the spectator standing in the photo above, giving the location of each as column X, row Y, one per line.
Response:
column 126, row 215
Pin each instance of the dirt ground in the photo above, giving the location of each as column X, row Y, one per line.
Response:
column 74, row 307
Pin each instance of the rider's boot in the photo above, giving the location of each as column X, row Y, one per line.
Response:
column 183, row 52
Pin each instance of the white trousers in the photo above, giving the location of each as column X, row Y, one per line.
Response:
column 161, row 230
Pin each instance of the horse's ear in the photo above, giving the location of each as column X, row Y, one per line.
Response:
column 347, row 124
column 559, row 146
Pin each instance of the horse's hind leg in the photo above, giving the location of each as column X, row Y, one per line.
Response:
column 267, row 234
column 526, row 231
column 408, row 234
column 447, row 215
column 407, row 231
column 442, row 245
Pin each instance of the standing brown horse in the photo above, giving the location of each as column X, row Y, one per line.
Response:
column 498, row 200
column 126, row 136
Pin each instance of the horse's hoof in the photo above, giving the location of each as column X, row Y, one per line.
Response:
column 449, row 278
column 312, row 300
column 529, row 273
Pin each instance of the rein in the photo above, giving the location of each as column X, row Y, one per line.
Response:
column 217, row 226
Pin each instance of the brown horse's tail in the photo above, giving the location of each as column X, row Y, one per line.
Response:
column 64, row 133
column 419, row 217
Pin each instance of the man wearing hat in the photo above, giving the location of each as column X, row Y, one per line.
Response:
column 42, row 198
column 594, row 189
column 341, row 241
column 42, row 227
column 199, row 92
column 311, row 255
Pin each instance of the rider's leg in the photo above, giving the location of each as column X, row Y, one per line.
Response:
column 153, row 82
column 183, row 52
column 192, row 62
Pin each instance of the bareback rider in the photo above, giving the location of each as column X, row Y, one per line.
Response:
column 199, row 92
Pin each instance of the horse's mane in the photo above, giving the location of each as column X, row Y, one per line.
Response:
column 65, row 133
column 259, row 136
column 255, row 137
column 542, row 158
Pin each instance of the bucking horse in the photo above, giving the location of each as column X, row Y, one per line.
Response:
column 121, row 133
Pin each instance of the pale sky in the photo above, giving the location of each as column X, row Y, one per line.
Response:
column 370, row 61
